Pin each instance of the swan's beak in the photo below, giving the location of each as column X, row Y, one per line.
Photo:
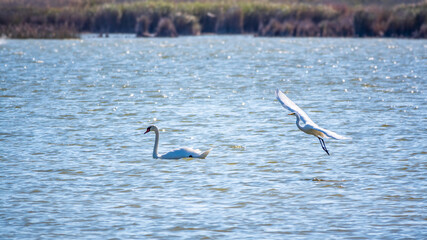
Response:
column 147, row 131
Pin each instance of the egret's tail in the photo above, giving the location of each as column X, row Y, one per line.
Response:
column 333, row 135
column 205, row 154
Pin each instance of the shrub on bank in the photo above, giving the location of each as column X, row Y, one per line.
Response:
column 407, row 21
column 166, row 28
column 186, row 24
column 142, row 26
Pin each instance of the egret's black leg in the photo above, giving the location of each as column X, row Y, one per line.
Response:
column 322, row 143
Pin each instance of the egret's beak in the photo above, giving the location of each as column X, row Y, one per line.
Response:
column 291, row 114
column 147, row 131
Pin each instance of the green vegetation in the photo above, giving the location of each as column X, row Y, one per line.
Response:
column 67, row 19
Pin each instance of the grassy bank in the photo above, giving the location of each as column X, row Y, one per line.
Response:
column 61, row 19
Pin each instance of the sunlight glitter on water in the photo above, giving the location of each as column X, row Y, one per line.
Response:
column 76, row 164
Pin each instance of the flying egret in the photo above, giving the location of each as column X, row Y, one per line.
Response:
column 309, row 126
column 177, row 153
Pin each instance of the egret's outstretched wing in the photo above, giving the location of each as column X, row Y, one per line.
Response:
column 291, row 106
column 330, row 134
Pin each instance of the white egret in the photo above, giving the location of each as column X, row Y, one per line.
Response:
column 309, row 126
column 177, row 153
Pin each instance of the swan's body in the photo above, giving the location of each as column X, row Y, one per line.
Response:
column 308, row 126
column 176, row 153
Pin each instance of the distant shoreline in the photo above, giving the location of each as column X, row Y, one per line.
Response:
column 86, row 35
column 183, row 18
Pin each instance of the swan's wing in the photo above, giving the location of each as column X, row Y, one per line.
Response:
column 182, row 153
column 205, row 154
column 330, row 134
column 291, row 106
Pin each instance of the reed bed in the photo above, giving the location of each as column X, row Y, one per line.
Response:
column 167, row 18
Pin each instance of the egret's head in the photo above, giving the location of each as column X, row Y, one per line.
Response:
column 148, row 129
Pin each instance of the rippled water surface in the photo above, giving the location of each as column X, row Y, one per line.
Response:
column 74, row 162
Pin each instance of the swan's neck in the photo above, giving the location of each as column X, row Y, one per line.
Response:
column 156, row 144
column 298, row 121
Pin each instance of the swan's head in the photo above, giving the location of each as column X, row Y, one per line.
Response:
column 149, row 129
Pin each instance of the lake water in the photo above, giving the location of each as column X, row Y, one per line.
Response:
column 74, row 162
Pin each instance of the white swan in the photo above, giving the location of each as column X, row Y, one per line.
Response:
column 177, row 153
column 309, row 126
